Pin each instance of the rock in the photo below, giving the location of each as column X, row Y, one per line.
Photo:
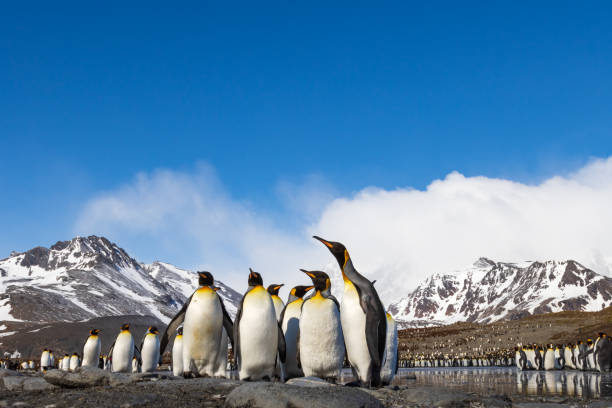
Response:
column 308, row 382
column 8, row 373
column 23, row 383
column 435, row 397
column 82, row 377
column 273, row 395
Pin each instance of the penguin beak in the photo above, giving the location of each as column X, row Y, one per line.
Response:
column 308, row 288
column 312, row 275
column 278, row 287
column 326, row 243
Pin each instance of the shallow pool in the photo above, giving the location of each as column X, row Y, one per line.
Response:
column 505, row 380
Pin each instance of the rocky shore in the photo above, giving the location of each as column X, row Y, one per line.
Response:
column 98, row 388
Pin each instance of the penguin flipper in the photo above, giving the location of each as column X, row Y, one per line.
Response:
column 282, row 345
column 397, row 356
column 172, row 326
column 227, row 323
column 297, row 351
column 110, row 351
column 237, row 332
column 137, row 354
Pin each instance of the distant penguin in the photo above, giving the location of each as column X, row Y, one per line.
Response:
column 204, row 318
column 51, row 359
column 581, row 355
column 177, row 353
column 559, row 358
column 258, row 337
column 66, row 362
column 568, row 355
column 590, row 355
column 45, row 360
column 149, row 351
column 75, row 362
column 321, row 344
column 391, row 358
column 91, row 349
column 290, row 323
column 603, row 353
column 31, row 364
column 549, row 358
column 135, row 365
column 531, row 358
column 278, row 302
column 364, row 322
column 123, row 351
column 539, row 357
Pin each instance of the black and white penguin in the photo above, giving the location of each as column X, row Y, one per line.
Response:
column 290, row 323
column 149, row 350
column 45, row 360
column 603, row 353
column 559, row 358
column 278, row 302
column 135, row 365
column 257, row 335
column 204, row 318
column 568, row 355
column 391, row 358
column 123, row 351
column 590, row 357
column 363, row 317
column 177, row 353
column 91, row 349
column 321, row 344
column 66, row 363
column 75, row 362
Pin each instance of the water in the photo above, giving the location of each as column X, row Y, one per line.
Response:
column 506, row 380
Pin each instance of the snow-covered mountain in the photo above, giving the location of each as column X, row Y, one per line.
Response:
column 90, row 277
column 489, row 291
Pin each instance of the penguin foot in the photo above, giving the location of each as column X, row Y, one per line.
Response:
column 353, row 384
column 331, row 380
column 266, row 378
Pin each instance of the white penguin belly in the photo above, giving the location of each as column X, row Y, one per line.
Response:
column 549, row 360
column 278, row 306
column 258, row 335
column 321, row 340
column 123, row 352
column 74, row 363
column 202, row 332
column 567, row 354
column 291, row 329
column 353, row 327
column 45, row 361
column 390, row 358
column 91, row 351
column 177, row 356
column 150, row 353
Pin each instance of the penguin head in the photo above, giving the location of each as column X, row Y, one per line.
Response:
column 205, row 278
column 337, row 249
column 153, row 330
column 300, row 291
column 589, row 342
column 125, row 326
column 274, row 288
column 319, row 279
column 94, row 332
column 180, row 331
column 255, row 278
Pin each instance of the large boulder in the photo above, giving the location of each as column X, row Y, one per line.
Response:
column 82, row 377
column 274, row 395
column 23, row 383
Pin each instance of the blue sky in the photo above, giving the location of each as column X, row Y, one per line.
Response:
column 277, row 94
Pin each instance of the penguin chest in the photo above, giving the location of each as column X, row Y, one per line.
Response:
column 278, row 306
column 321, row 340
column 123, row 352
column 202, row 326
column 549, row 360
column 150, row 352
column 177, row 356
column 91, row 351
column 258, row 334
column 354, row 328
column 291, row 324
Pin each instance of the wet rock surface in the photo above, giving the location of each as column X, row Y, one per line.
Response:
column 93, row 387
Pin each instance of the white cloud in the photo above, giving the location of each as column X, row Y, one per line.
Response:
column 397, row 237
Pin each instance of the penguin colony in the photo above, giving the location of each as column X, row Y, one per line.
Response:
column 309, row 336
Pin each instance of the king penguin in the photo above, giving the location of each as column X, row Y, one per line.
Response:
column 149, row 351
column 257, row 335
column 290, row 323
column 391, row 358
column 204, row 318
column 321, row 343
column 123, row 351
column 45, row 360
column 177, row 353
column 364, row 321
column 278, row 302
column 91, row 349
column 75, row 362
